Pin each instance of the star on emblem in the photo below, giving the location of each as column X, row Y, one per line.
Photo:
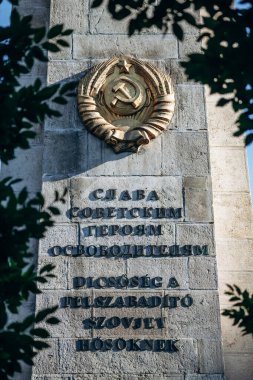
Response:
column 124, row 66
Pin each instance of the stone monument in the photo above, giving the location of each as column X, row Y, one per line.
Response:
column 150, row 208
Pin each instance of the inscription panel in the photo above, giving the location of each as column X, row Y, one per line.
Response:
column 141, row 279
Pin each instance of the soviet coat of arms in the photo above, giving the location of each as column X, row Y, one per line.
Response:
column 125, row 102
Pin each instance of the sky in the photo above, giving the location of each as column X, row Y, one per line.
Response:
column 5, row 9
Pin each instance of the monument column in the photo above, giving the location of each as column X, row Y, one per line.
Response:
column 134, row 246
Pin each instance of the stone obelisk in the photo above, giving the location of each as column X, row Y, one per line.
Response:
column 148, row 214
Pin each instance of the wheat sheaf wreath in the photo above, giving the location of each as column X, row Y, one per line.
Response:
column 126, row 102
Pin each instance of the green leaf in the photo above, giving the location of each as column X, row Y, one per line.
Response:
column 68, row 87
column 41, row 315
column 238, row 289
column 60, row 100
column 39, row 34
column 22, row 196
column 53, row 321
column 41, row 280
column 27, row 19
column 55, row 31
column 67, row 32
column 41, row 333
column 54, row 210
column 222, row 102
column 28, row 321
column 47, row 92
column 38, row 53
column 96, row 3
column 62, row 43
column 40, row 345
column 249, row 139
column 51, row 47
column 15, row 18
column 37, row 84
column 189, row 18
column 29, row 61
column 178, row 31
column 3, row 316
column 27, row 360
column 47, row 268
column 234, row 299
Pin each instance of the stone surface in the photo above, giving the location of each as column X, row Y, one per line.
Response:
column 221, row 122
column 167, row 237
column 59, row 235
column 66, row 70
column 165, row 268
column 238, row 366
column 29, row 159
column 188, row 46
column 64, row 53
column 197, row 199
column 27, row 308
column 202, row 273
column 49, row 190
column 232, row 341
column 69, row 121
column 93, row 267
column 156, row 312
column 101, row 22
column 232, row 248
column 190, row 114
column 105, row 46
column 168, row 189
column 101, row 160
column 105, row 376
column 25, row 373
column 34, row 3
column 199, row 234
column 27, row 80
column 184, row 322
column 233, row 215
column 73, row 14
column 177, row 166
column 185, row 153
column 60, row 281
column 68, row 152
column 40, row 14
column 47, row 360
column 233, row 228
column 229, row 165
column 70, row 325
column 39, row 69
column 242, row 279
column 132, row 362
column 210, row 356
column 204, row 377
column 176, row 71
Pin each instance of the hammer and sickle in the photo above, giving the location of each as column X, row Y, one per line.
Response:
column 121, row 89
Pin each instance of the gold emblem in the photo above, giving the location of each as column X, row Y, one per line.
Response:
column 124, row 95
column 126, row 102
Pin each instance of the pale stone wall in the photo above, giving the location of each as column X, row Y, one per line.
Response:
column 177, row 166
column 181, row 159
column 233, row 229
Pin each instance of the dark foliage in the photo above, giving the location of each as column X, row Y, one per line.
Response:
column 242, row 309
column 23, row 218
column 226, row 61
